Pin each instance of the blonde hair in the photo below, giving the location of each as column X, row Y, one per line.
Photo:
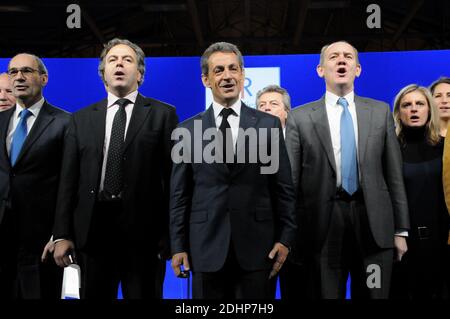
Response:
column 432, row 125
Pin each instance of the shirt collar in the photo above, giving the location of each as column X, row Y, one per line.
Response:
column 236, row 107
column 112, row 99
column 331, row 98
column 34, row 109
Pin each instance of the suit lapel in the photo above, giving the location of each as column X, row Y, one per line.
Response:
column 44, row 118
column 320, row 120
column 141, row 110
column 363, row 114
column 4, row 132
column 98, row 125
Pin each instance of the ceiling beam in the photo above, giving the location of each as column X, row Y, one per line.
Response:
column 247, row 6
column 406, row 21
column 93, row 26
column 192, row 7
column 301, row 18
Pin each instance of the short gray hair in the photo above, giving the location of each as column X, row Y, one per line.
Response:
column 219, row 47
column 42, row 69
column 325, row 47
column 277, row 89
column 139, row 54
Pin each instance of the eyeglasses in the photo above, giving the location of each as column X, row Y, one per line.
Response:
column 26, row 71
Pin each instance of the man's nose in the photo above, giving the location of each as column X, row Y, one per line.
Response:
column 226, row 74
column 20, row 76
column 341, row 59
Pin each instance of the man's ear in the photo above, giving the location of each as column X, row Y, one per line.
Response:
column 320, row 71
column 205, row 81
column 358, row 70
column 44, row 79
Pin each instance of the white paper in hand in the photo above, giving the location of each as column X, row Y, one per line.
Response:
column 71, row 282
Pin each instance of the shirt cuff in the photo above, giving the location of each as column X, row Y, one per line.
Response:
column 402, row 233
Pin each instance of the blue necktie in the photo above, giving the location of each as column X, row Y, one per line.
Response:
column 20, row 134
column 349, row 164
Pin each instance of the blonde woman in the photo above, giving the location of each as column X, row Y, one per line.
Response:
column 419, row 274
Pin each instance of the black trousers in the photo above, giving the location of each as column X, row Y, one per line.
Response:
column 293, row 281
column 421, row 272
column 232, row 282
column 22, row 274
column 350, row 249
column 111, row 258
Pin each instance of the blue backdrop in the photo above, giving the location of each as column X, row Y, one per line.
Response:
column 74, row 83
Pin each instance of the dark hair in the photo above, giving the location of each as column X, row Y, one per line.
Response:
column 219, row 47
column 139, row 54
column 442, row 79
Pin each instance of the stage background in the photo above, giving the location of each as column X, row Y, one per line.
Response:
column 74, row 83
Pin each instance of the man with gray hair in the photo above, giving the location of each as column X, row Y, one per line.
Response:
column 347, row 170
column 275, row 100
column 112, row 209
column 230, row 222
column 32, row 135
column 7, row 99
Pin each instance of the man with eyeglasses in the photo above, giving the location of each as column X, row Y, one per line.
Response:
column 32, row 134
column 7, row 100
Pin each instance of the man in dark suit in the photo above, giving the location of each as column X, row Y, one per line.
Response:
column 229, row 219
column 113, row 201
column 347, row 172
column 31, row 143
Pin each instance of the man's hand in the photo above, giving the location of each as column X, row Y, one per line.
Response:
column 48, row 249
column 281, row 252
column 178, row 260
column 64, row 253
column 400, row 247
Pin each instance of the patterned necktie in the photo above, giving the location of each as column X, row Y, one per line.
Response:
column 226, row 136
column 20, row 134
column 114, row 169
column 349, row 164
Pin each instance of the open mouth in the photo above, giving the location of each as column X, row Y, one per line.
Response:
column 414, row 118
column 342, row 71
column 228, row 86
column 119, row 74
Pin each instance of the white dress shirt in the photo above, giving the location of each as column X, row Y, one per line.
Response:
column 34, row 109
column 233, row 119
column 334, row 112
column 111, row 110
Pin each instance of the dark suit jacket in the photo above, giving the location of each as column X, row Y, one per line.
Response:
column 31, row 186
column 213, row 207
column 147, row 167
column 311, row 154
